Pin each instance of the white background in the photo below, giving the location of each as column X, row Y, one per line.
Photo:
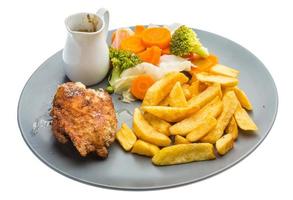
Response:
column 31, row 31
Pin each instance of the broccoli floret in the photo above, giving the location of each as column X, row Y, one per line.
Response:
column 184, row 41
column 120, row 61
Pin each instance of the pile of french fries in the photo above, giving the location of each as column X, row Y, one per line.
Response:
column 183, row 120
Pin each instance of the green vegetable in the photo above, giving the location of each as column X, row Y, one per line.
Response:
column 120, row 61
column 110, row 89
column 184, row 41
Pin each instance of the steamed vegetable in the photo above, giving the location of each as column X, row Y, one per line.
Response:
column 185, row 42
column 151, row 55
column 156, row 36
column 168, row 63
column 204, row 64
column 140, row 85
column 139, row 29
column 120, row 61
column 133, row 44
column 119, row 35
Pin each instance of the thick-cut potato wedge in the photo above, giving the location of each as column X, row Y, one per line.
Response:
column 126, row 137
column 180, row 140
column 232, row 128
column 146, row 132
column 224, row 70
column 214, row 108
column 223, row 80
column 227, row 89
column 186, row 91
column 144, row 148
column 224, row 144
column 194, row 88
column 230, row 104
column 157, row 123
column 202, row 86
column 242, row 98
column 176, row 96
column 243, row 120
column 165, row 102
column 202, row 129
column 206, row 96
column 161, row 88
column 184, row 153
column 170, row 114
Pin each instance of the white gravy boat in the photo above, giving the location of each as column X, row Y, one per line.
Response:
column 86, row 53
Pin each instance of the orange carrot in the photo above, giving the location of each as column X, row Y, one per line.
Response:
column 139, row 29
column 156, row 36
column 166, row 51
column 140, row 85
column 193, row 57
column 151, row 55
column 118, row 36
column 203, row 64
column 133, row 44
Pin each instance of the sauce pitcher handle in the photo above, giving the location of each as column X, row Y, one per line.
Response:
column 104, row 14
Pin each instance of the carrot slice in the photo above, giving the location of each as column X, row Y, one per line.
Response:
column 151, row 55
column 139, row 29
column 166, row 51
column 156, row 36
column 140, row 85
column 118, row 36
column 133, row 44
column 193, row 57
column 204, row 64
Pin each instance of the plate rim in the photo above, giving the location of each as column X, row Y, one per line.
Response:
column 166, row 186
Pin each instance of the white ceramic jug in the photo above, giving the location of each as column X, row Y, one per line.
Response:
column 86, row 53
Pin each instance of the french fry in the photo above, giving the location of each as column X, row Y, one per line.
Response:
column 230, row 104
column 243, row 99
column 157, row 123
column 194, row 88
column 232, row 128
column 214, row 108
column 202, row 86
column 180, row 140
column 176, row 96
column 126, row 137
column 224, row 70
column 223, row 80
column 206, row 96
column 144, row 148
column 202, row 129
column 184, row 153
column 224, row 144
column 161, row 88
column 227, row 89
column 186, row 91
column 146, row 132
column 165, row 101
column 171, row 114
column 243, row 120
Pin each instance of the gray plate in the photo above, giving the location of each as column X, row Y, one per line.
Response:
column 129, row 171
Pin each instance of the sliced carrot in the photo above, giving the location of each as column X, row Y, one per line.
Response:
column 133, row 44
column 139, row 29
column 156, row 36
column 193, row 57
column 118, row 36
column 166, row 51
column 140, row 85
column 204, row 64
column 151, row 55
